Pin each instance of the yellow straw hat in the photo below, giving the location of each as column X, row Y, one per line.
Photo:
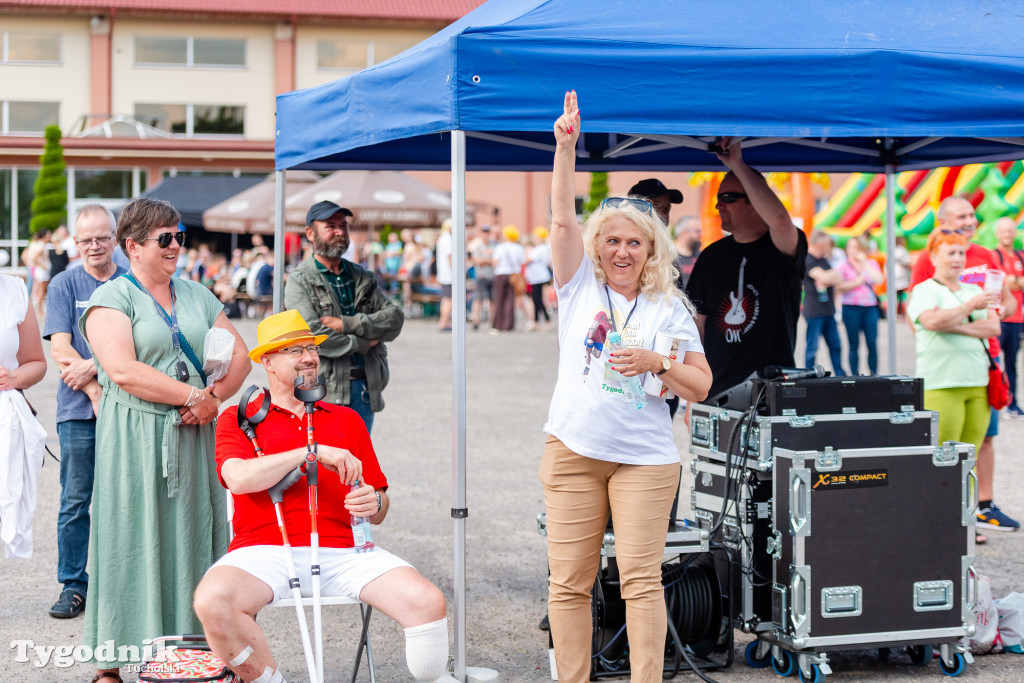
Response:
column 280, row 330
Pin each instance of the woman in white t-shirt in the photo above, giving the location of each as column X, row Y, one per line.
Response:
column 602, row 454
column 509, row 256
column 538, row 274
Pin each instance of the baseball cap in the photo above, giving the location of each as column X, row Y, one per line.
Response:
column 652, row 187
column 321, row 211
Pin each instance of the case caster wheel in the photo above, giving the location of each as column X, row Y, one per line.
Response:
column 786, row 667
column 920, row 654
column 753, row 660
column 816, row 676
column 959, row 663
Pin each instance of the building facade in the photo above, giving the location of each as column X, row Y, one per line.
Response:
column 147, row 89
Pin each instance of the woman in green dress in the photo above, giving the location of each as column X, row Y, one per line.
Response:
column 158, row 511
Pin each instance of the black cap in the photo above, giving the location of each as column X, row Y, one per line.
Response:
column 321, row 211
column 652, row 187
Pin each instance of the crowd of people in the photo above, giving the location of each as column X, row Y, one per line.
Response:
column 139, row 397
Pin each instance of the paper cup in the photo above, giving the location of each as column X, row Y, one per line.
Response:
column 667, row 345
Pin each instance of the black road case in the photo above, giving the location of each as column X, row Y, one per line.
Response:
column 872, row 547
column 751, row 439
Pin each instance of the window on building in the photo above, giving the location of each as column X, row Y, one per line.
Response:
column 105, row 183
column 193, row 119
column 30, row 48
column 28, row 117
column 189, row 52
column 353, row 55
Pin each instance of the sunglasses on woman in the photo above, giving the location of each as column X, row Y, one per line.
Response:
column 638, row 204
column 163, row 240
column 731, row 197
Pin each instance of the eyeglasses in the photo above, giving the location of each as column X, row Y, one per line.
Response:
column 731, row 197
column 638, row 204
column 958, row 231
column 297, row 351
column 163, row 240
column 94, row 242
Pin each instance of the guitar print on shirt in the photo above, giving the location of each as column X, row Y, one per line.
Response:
column 742, row 310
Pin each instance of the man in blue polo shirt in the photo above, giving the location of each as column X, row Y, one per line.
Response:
column 78, row 398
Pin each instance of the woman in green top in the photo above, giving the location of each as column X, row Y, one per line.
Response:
column 952, row 320
column 158, row 513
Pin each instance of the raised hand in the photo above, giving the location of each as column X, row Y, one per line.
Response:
column 567, row 126
column 731, row 152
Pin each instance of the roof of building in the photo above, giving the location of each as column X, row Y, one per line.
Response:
column 389, row 10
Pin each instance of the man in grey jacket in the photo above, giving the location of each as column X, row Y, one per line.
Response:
column 342, row 300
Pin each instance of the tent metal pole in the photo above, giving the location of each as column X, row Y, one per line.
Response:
column 891, row 295
column 459, row 510
column 279, row 187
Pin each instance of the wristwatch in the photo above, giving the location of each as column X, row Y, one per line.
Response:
column 666, row 365
column 380, row 502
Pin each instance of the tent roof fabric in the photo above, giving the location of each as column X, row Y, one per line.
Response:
column 193, row 195
column 822, row 86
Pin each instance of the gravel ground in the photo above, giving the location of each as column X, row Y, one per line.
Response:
column 509, row 382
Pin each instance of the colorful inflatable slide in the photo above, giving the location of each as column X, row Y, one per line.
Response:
column 858, row 206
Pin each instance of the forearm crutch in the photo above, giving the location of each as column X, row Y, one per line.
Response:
column 309, row 393
column 277, row 497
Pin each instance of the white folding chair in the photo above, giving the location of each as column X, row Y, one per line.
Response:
column 365, row 610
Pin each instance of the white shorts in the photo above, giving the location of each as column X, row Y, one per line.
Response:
column 343, row 571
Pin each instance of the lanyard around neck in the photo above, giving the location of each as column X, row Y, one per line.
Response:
column 611, row 311
column 170, row 320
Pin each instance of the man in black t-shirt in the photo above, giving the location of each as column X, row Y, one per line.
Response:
column 746, row 286
column 820, row 302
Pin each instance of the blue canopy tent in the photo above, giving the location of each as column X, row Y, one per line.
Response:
column 862, row 85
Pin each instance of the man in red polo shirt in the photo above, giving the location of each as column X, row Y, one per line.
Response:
column 1012, row 262
column 957, row 214
column 254, row 571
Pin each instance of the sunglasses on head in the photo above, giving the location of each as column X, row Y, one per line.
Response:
column 731, row 197
column 638, row 204
column 163, row 240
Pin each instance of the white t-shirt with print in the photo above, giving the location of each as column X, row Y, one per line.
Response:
column 589, row 413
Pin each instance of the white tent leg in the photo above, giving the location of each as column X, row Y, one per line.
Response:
column 459, row 510
column 891, row 296
column 279, row 187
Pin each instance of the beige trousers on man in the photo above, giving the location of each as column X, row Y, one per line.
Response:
column 579, row 493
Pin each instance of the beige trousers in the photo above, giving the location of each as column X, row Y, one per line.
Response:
column 579, row 493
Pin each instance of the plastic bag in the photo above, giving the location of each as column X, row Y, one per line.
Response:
column 217, row 349
column 1011, row 622
column 986, row 617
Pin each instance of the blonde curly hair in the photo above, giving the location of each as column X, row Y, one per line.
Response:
column 658, row 279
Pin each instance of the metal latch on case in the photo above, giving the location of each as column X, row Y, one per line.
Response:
column 828, row 460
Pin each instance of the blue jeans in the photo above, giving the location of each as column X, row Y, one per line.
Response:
column 359, row 401
column 77, row 460
column 861, row 320
column 824, row 325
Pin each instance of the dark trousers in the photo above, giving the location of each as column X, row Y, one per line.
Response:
column 826, row 326
column 503, row 305
column 537, row 294
column 861, row 320
column 1009, row 340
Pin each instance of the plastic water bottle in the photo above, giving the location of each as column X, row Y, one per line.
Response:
column 362, row 538
column 631, row 387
